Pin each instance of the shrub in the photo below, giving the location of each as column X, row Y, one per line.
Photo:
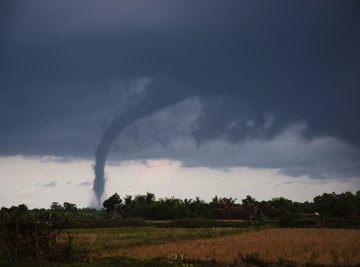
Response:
column 179, row 261
column 36, row 235
column 253, row 258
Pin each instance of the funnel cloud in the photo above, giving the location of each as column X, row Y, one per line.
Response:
column 156, row 98
column 213, row 84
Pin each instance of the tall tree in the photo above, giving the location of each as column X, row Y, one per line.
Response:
column 112, row 204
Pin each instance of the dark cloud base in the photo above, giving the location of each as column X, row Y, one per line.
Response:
column 255, row 70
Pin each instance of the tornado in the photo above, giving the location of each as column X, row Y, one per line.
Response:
column 104, row 147
column 146, row 107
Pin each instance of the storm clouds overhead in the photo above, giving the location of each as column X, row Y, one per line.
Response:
column 209, row 84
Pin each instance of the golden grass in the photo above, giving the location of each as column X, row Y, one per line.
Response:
column 319, row 246
column 105, row 241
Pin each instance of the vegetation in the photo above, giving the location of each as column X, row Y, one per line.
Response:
column 105, row 241
column 214, row 247
column 344, row 206
column 298, row 246
column 140, row 209
column 36, row 235
column 145, row 231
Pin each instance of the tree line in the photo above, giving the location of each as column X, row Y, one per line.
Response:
column 38, row 233
column 328, row 205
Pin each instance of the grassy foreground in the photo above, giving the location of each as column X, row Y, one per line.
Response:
column 282, row 246
column 213, row 247
column 106, row 241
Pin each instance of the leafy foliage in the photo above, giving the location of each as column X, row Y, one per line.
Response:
column 180, row 261
column 36, row 235
column 345, row 205
column 112, row 204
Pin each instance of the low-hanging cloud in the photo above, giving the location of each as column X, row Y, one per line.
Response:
column 175, row 133
column 149, row 103
column 209, row 83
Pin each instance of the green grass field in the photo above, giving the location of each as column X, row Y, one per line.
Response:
column 105, row 240
column 152, row 246
column 102, row 244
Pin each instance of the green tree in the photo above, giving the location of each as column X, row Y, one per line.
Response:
column 150, row 197
column 248, row 200
column 346, row 206
column 22, row 208
column 325, row 203
column 251, row 206
column 226, row 202
column 112, row 204
column 69, row 207
column 277, row 207
column 55, row 206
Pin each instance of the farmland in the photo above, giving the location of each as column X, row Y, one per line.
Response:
column 144, row 246
column 300, row 246
column 108, row 241
column 172, row 232
column 257, row 246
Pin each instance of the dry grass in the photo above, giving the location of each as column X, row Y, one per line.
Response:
column 104, row 241
column 319, row 246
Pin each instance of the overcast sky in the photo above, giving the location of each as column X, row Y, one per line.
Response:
column 183, row 98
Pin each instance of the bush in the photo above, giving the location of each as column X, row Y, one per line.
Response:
column 286, row 219
column 254, row 259
column 36, row 235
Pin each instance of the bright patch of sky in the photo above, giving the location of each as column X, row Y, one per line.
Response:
column 38, row 182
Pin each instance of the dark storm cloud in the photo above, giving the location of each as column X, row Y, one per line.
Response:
column 66, row 68
column 172, row 133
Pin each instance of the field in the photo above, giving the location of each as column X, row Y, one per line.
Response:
column 151, row 246
column 107, row 241
column 301, row 246
column 226, row 246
